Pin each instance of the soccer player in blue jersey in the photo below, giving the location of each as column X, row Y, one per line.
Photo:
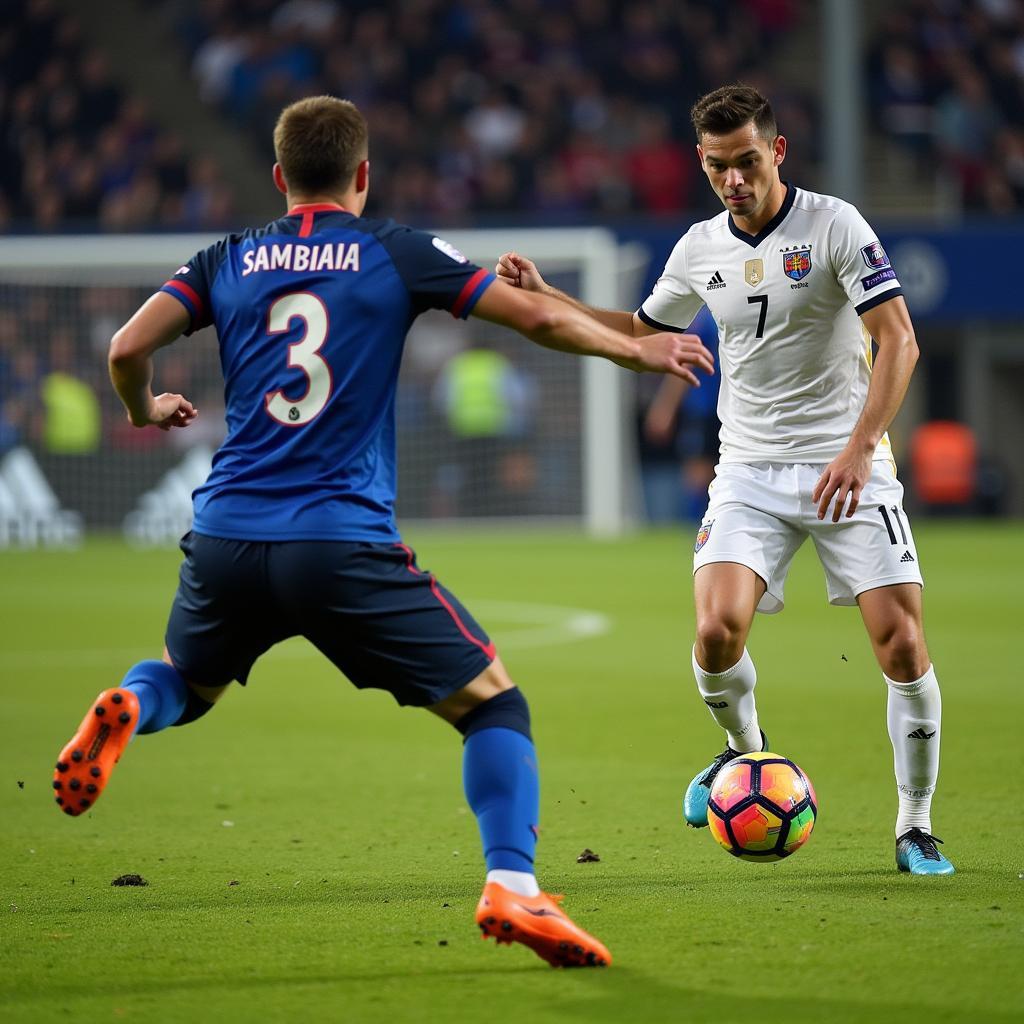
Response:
column 294, row 530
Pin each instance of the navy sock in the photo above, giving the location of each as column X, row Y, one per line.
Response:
column 161, row 691
column 499, row 773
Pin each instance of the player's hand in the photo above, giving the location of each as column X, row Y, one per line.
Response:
column 166, row 411
column 519, row 272
column 675, row 354
column 844, row 478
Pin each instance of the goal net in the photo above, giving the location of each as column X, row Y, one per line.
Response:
column 490, row 426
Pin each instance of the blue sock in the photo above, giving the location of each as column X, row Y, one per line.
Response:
column 499, row 773
column 161, row 691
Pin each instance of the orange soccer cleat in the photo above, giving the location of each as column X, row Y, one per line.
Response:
column 85, row 764
column 538, row 922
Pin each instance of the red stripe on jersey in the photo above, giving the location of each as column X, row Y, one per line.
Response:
column 306, row 210
column 467, row 290
column 315, row 208
column 190, row 293
column 489, row 649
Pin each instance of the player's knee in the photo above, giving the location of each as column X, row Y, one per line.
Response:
column 195, row 707
column 506, row 710
column 720, row 640
column 902, row 652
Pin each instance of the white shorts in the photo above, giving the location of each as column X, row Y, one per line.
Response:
column 760, row 513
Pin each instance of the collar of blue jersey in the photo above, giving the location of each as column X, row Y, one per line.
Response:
column 755, row 240
column 301, row 208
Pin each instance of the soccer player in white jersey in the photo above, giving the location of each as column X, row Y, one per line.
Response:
column 799, row 286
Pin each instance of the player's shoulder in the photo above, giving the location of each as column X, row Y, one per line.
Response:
column 381, row 228
column 701, row 233
column 404, row 238
column 711, row 226
column 824, row 207
column 416, row 248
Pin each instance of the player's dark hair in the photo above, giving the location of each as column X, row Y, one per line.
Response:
column 319, row 142
column 731, row 107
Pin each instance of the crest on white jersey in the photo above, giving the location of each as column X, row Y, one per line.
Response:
column 753, row 272
column 797, row 263
column 449, row 250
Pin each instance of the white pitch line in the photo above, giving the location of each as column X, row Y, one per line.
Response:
column 547, row 625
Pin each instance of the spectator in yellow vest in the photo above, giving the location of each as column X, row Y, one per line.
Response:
column 72, row 420
column 487, row 403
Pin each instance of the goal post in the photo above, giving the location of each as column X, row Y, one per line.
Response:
column 568, row 453
column 608, row 276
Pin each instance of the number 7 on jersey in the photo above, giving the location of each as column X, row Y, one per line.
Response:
column 763, row 299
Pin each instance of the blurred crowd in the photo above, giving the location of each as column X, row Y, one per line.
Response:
column 78, row 150
column 556, row 110
column 559, row 110
column 947, row 88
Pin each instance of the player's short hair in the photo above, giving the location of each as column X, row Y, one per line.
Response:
column 731, row 107
column 319, row 142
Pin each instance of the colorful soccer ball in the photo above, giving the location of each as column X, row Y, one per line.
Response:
column 762, row 807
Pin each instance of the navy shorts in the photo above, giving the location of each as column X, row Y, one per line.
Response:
column 382, row 620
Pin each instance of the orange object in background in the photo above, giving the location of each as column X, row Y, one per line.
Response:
column 944, row 458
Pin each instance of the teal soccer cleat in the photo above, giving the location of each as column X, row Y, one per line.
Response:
column 917, row 853
column 698, row 792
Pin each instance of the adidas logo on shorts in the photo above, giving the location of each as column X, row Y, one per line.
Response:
column 717, row 281
column 907, row 556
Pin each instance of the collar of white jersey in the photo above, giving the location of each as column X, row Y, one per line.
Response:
column 755, row 240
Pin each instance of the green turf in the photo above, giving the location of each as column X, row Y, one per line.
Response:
column 310, row 857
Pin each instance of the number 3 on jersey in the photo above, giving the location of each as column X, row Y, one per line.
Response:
column 303, row 354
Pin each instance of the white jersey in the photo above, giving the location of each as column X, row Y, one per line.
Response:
column 794, row 359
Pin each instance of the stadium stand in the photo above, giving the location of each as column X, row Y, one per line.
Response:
column 80, row 152
column 946, row 85
column 558, row 112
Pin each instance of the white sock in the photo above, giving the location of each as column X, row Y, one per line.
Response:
column 729, row 696
column 522, row 883
column 914, row 715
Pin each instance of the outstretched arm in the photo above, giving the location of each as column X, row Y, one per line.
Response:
column 552, row 323
column 158, row 322
column 521, row 272
column 889, row 324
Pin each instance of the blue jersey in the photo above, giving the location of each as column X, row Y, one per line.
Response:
column 311, row 313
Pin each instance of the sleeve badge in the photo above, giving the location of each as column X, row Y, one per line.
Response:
column 874, row 256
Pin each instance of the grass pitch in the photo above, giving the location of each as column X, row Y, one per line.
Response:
column 310, row 857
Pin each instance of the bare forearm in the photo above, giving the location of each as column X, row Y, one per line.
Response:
column 568, row 326
column 890, row 378
column 156, row 323
column 573, row 330
column 132, row 376
column 615, row 319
